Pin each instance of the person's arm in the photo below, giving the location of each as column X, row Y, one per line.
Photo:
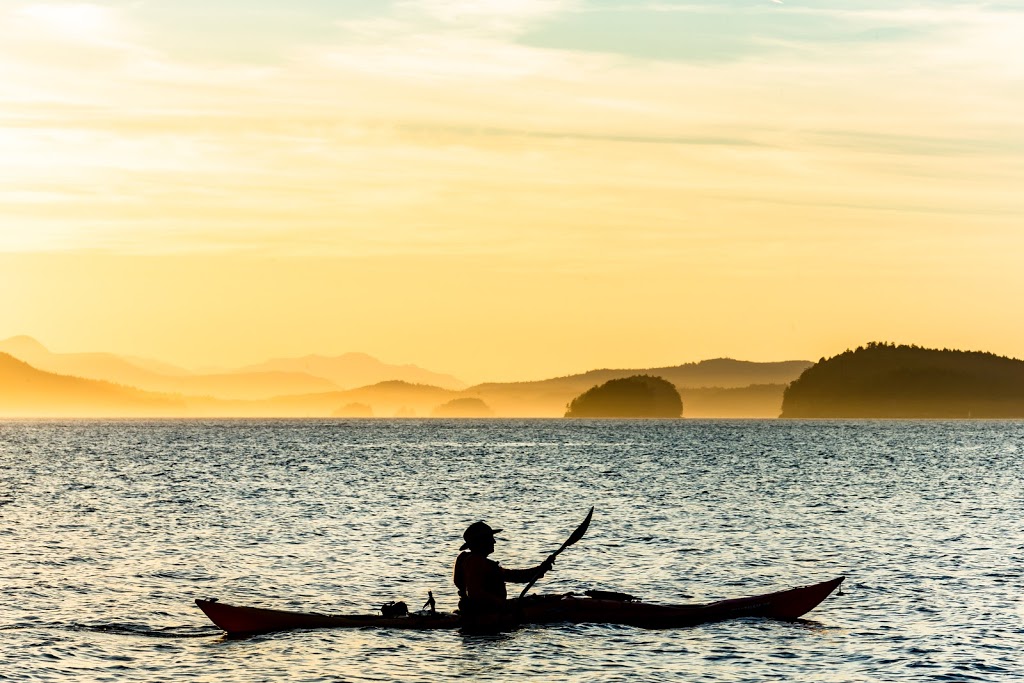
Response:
column 526, row 575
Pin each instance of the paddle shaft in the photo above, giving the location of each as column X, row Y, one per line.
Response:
column 576, row 535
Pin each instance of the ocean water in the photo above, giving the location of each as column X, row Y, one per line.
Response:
column 110, row 529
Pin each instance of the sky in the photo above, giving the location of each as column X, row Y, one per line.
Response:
column 511, row 190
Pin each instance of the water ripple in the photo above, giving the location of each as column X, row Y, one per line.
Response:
column 112, row 528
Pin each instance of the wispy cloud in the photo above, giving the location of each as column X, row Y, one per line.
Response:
column 504, row 17
column 442, row 115
column 82, row 23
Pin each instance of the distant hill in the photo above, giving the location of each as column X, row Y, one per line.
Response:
column 636, row 396
column 463, row 407
column 386, row 399
column 887, row 381
column 282, row 377
column 104, row 366
column 28, row 392
column 728, row 373
column 151, row 375
column 351, row 370
column 353, row 410
column 755, row 401
column 723, row 388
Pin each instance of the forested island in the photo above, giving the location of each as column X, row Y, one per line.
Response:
column 883, row 380
column 637, row 396
column 463, row 407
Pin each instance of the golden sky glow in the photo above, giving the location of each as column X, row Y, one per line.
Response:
column 505, row 190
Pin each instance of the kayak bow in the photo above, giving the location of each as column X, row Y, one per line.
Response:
column 544, row 609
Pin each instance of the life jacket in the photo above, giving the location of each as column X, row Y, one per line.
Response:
column 481, row 582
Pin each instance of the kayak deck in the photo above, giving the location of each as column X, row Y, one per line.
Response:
column 787, row 604
column 237, row 620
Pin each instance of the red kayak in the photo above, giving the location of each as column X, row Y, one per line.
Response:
column 549, row 609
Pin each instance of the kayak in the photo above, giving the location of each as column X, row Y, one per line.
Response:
column 542, row 609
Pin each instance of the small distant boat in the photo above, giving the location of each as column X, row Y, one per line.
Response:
column 540, row 609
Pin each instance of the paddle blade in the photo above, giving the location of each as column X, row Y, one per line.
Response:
column 576, row 535
column 580, row 530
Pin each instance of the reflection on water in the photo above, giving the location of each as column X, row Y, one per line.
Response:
column 110, row 529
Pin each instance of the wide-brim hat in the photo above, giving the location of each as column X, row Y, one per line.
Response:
column 477, row 531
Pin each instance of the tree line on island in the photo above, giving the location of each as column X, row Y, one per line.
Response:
column 636, row 396
column 885, row 380
column 879, row 380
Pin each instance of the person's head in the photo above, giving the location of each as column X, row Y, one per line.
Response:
column 479, row 538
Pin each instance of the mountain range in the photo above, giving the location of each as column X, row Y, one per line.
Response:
column 28, row 392
column 279, row 377
column 37, row 382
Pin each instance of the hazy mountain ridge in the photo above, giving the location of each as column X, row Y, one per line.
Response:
column 755, row 401
column 102, row 366
column 280, row 377
column 354, row 370
column 725, row 373
column 712, row 383
column 258, row 393
column 26, row 391
column 386, row 399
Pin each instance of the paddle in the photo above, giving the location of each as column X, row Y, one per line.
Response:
column 576, row 535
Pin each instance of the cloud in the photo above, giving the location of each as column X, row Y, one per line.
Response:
column 436, row 124
column 79, row 21
column 505, row 17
